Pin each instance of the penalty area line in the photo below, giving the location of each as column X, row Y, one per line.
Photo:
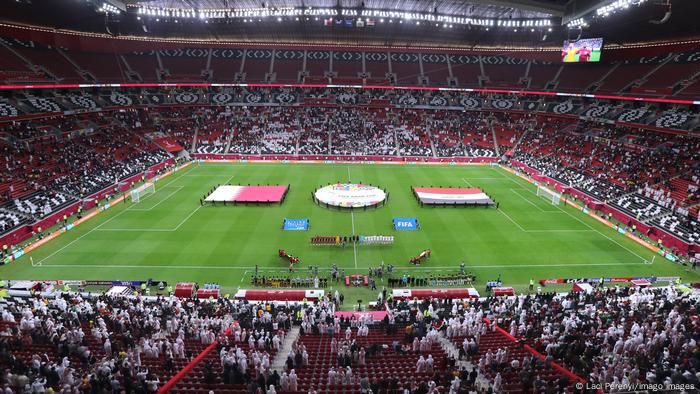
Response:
column 159, row 202
column 99, row 226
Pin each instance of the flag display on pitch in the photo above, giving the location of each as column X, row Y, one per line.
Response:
column 234, row 193
column 451, row 195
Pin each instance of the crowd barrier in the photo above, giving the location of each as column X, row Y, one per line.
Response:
column 279, row 295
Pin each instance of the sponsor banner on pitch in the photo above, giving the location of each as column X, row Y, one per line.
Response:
column 296, row 224
column 405, row 223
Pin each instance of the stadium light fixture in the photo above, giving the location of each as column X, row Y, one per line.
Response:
column 616, row 6
column 577, row 23
column 109, row 9
column 281, row 12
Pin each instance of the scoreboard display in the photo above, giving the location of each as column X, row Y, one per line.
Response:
column 582, row 51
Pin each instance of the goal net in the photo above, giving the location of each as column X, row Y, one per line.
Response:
column 139, row 192
column 553, row 197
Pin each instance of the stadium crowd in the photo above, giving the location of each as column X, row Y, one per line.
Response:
column 108, row 344
column 50, row 166
column 129, row 344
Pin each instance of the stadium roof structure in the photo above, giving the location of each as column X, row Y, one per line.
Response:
column 524, row 23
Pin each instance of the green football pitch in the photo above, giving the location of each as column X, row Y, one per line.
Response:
column 169, row 236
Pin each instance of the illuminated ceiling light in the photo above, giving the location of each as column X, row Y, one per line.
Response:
column 577, row 23
column 616, row 6
column 252, row 14
column 109, row 9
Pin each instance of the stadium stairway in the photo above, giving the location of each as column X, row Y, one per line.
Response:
column 452, row 351
column 229, row 139
column 517, row 143
column 194, row 140
column 432, row 146
column 495, row 140
column 511, row 383
column 279, row 362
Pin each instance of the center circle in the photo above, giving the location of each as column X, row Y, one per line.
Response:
column 350, row 195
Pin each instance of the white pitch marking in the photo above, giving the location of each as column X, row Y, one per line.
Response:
column 424, row 268
column 82, row 236
column 352, row 220
column 536, row 231
column 532, row 203
column 187, row 218
column 511, row 219
column 160, row 202
column 485, row 179
column 588, row 225
column 39, row 263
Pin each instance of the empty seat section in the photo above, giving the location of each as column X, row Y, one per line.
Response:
column 145, row 65
column 184, row 68
column 105, row 67
column 467, row 74
column 624, row 75
column 406, row 68
column 436, row 70
column 287, row 65
column 257, row 64
column 505, row 75
column 577, row 77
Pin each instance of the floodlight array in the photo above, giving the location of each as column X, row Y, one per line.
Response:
column 379, row 16
column 617, row 5
column 109, row 9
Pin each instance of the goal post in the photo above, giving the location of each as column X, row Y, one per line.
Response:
column 552, row 196
column 146, row 188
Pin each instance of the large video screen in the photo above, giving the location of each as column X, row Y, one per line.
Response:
column 582, row 51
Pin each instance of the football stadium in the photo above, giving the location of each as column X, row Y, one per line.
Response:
column 224, row 196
